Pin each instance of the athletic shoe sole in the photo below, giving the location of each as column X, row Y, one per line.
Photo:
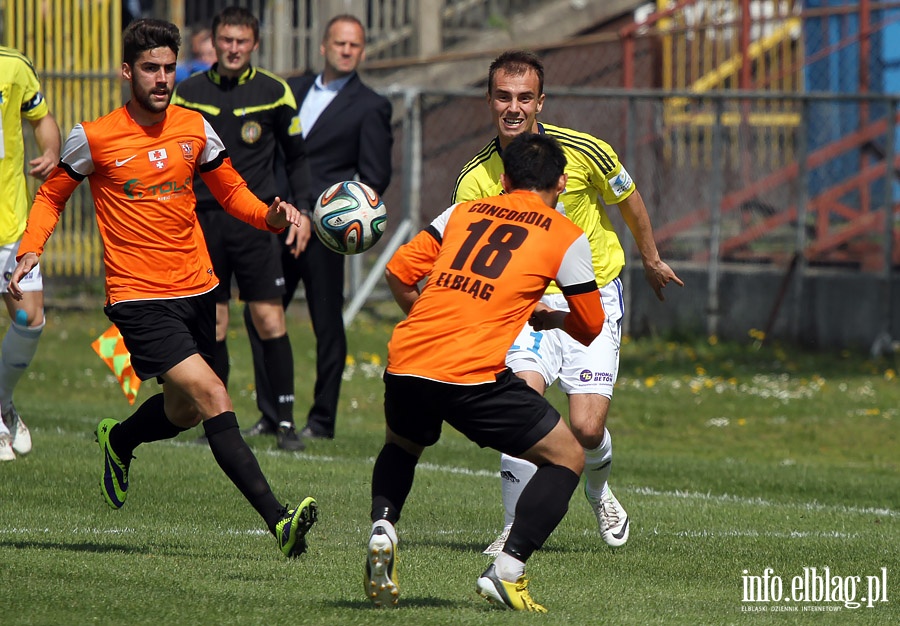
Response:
column 291, row 532
column 381, row 575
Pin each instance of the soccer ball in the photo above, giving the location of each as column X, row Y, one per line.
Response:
column 349, row 217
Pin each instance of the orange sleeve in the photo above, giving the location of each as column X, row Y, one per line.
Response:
column 586, row 317
column 414, row 260
column 232, row 193
column 48, row 205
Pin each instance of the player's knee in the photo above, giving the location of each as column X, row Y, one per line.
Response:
column 573, row 458
column 588, row 427
column 182, row 414
column 565, row 450
column 269, row 321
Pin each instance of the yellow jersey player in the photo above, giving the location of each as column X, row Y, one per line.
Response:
column 586, row 374
column 20, row 97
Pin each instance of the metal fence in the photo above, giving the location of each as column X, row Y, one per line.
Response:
column 796, row 200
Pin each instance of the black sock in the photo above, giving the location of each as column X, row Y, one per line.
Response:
column 237, row 461
column 279, row 363
column 221, row 366
column 148, row 423
column 540, row 509
column 392, row 480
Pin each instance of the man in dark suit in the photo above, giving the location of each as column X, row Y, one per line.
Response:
column 347, row 128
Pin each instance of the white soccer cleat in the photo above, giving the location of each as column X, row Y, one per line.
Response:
column 21, row 437
column 611, row 517
column 6, row 450
column 381, row 570
column 496, row 547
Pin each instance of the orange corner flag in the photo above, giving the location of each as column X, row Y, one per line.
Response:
column 111, row 348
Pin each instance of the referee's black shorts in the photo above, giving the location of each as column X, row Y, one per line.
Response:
column 250, row 255
column 506, row 415
column 160, row 334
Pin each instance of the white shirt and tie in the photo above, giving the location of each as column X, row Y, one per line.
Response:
column 317, row 98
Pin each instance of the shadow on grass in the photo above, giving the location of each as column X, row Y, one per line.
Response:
column 430, row 602
column 476, row 548
column 70, row 547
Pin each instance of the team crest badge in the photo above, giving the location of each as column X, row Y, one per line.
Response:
column 158, row 157
column 251, row 132
column 187, row 150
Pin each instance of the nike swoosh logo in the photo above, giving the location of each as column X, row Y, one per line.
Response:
column 121, row 163
column 621, row 533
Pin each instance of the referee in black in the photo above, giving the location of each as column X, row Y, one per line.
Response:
column 254, row 112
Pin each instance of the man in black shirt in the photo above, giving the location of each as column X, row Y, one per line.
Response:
column 252, row 110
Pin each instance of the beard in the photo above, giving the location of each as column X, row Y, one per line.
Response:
column 144, row 100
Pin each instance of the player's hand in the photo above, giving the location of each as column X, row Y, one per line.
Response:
column 545, row 318
column 298, row 236
column 659, row 275
column 25, row 265
column 41, row 166
column 282, row 214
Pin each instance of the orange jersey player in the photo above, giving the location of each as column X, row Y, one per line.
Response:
column 488, row 263
column 140, row 161
column 141, row 181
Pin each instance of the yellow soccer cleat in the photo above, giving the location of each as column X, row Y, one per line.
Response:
column 506, row 595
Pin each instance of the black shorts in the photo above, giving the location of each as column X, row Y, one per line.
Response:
column 250, row 255
column 160, row 334
column 507, row 415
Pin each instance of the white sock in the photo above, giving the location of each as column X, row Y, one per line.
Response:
column 388, row 528
column 597, row 465
column 514, row 475
column 509, row 568
column 18, row 348
column 4, row 430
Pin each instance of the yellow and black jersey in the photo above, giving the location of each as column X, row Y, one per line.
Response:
column 595, row 174
column 253, row 115
column 20, row 97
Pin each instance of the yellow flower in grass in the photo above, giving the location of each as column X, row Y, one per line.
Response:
column 890, row 374
column 713, row 340
column 351, row 361
column 650, row 381
column 757, row 334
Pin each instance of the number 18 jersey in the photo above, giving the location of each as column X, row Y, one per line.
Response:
column 488, row 263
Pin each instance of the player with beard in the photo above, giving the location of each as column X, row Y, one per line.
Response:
column 140, row 162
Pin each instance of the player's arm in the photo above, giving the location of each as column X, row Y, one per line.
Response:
column 48, row 205
column 585, row 318
column 46, row 134
column 657, row 271
column 231, row 191
column 413, row 261
column 405, row 295
column 375, row 143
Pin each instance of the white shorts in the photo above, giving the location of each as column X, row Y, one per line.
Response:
column 32, row 281
column 556, row 356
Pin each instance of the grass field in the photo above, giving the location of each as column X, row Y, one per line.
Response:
column 729, row 459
